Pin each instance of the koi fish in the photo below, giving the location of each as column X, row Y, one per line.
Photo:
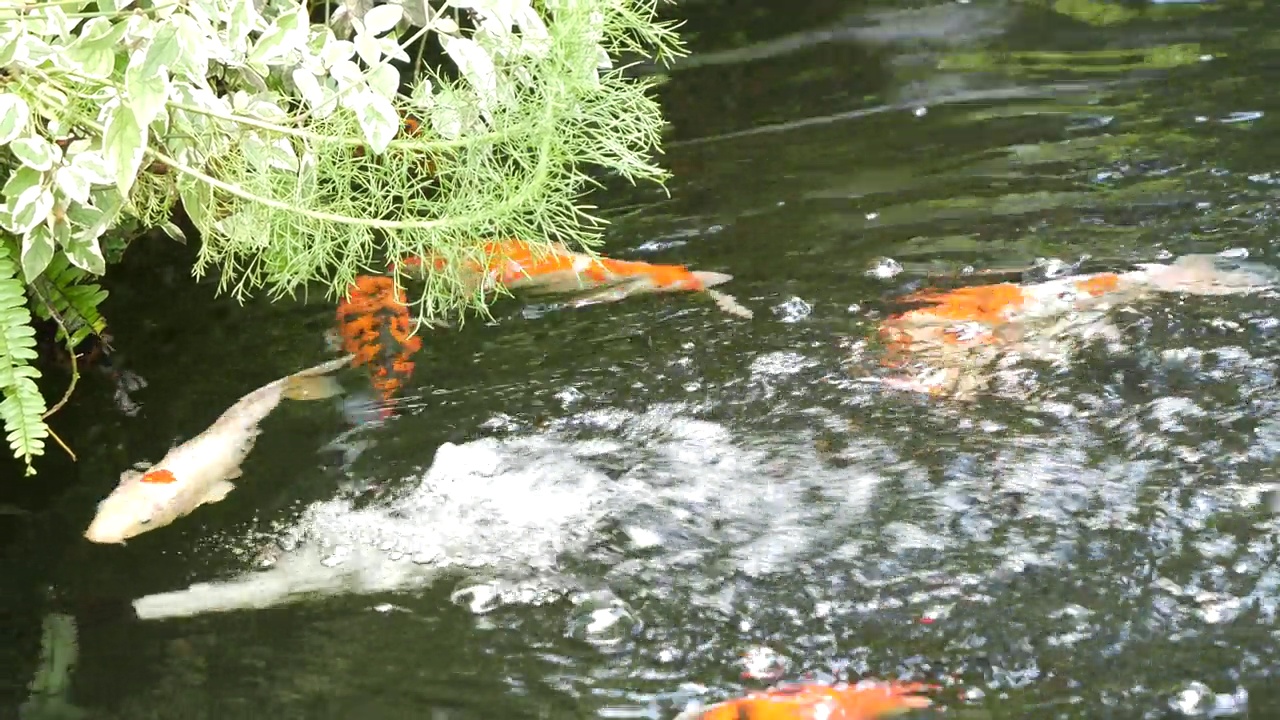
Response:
column 952, row 343
column 199, row 471
column 515, row 265
column 814, row 701
column 375, row 328
column 373, row 322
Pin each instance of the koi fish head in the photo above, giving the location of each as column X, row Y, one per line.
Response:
column 131, row 509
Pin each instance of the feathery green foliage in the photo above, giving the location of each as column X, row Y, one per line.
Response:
column 22, row 407
column 65, row 294
column 282, row 139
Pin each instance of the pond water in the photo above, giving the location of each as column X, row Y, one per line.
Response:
column 607, row 507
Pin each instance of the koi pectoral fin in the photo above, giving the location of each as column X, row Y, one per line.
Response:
column 219, row 491
column 613, row 292
column 561, row 281
column 728, row 303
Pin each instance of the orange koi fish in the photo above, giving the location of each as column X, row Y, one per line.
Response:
column 374, row 323
column 951, row 344
column 813, row 701
column 514, row 265
column 374, row 326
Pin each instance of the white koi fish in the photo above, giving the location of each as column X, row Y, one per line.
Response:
column 200, row 470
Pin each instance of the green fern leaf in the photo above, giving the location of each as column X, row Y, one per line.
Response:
column 63, row 286
column 22, row 408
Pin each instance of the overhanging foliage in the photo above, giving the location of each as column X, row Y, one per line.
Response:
column 279, row 127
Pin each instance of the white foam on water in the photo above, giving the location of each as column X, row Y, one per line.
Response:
column 514, row 508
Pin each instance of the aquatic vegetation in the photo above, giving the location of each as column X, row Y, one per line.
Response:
column 59, row 651
column 282, row 141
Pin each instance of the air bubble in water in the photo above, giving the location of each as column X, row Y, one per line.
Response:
column 1199, row 700
column 569, row 396
column 479, row 599
column 793, row 310
column 884, row 268
column 600, row 619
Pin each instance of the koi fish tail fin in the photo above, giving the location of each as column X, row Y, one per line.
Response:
column 1206, row 275
column 315, row 383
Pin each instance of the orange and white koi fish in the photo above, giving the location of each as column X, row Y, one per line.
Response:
column 814, row 701
column 199, row 471
column 950, row 345
column 513, row 264
column 374, row 326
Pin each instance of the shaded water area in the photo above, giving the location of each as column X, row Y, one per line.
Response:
column 596, row 512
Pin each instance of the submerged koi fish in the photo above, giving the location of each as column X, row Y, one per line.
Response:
column 951, row 345
column 199, row 471
column 813, row 701
column 375, row 328
column 514, row 265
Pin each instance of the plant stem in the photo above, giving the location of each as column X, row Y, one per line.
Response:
column 61, row 444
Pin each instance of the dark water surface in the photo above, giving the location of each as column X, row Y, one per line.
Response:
column 638, row 494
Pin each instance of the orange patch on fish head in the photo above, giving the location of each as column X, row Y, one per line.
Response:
column 158, row 477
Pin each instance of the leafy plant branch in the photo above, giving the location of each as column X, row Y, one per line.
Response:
column 283, row 140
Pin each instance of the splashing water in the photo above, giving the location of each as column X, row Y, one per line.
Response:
column 515, row 507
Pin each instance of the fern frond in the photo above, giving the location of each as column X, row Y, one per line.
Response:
column 23, row 406
column 62, row 289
